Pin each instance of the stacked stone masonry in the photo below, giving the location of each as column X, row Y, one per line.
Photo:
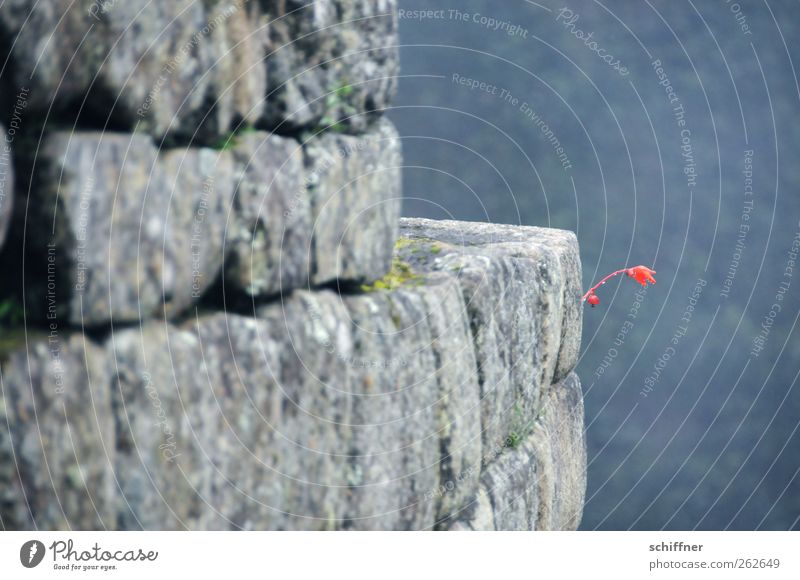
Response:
column 140, row 233
column 197, row 69
column 381, row 409
column 227, row 325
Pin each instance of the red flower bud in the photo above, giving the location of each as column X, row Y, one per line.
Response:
column 593, row 300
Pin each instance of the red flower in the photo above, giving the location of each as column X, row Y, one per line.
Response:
column 642, row 274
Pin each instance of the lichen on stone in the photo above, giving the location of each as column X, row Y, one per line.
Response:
column 400, row 274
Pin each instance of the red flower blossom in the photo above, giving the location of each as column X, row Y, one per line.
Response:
column 642, row 274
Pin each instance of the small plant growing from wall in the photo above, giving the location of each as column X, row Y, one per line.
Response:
column 336, row 103
column 12, row 314
column 642, row 274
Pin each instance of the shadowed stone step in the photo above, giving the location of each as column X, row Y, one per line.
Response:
column 119, row 230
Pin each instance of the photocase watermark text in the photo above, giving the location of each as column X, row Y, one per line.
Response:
column 568, row 18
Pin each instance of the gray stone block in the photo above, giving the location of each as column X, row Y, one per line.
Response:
column 146, row 55
column 520, row 287
column 269, row 237
column 133, row 233
column 511, row 483
column 239, row 42
column 316, row 214
column 256, row 437
column 332, row 63
column 355, row 194
column 395, row 442
column 559, row 441
column 458, row 408
column 57, row 444
column 539, row 484
column 122, row 232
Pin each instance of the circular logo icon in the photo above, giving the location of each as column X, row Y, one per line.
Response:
column 31, row 553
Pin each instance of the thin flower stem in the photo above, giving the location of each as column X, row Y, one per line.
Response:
column 601, row 282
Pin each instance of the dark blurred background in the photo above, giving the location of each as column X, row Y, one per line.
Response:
column 692, row 402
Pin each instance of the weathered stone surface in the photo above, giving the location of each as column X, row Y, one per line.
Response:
column 94, row 186
column 269, row 237
column 395, row 444
column 316, row 214
column 148, row 55
column 458, row 408
column 509, row 494
column 181, row 67
column 319, row 413
column 479, row 515
column 256, row 433
column 292, row 421
column 332, row 62
column 239, row 41
column 559, row 441
column 253, row 435
column 355, row 191
column 355, row 411
column 540, row 484
column 157, row 463
column 520, row 286
column 199, row 184
column 6, row 187
column 310, row 410
column 141, row 233
column 55, row 462
column 511, row 484
column 136, row 234
column 197, row 69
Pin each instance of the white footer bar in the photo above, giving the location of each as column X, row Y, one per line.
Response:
column 356, row 555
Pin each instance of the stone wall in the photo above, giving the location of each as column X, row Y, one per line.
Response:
column 226, row 324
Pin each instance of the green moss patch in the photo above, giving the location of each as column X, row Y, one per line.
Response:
column 400, row 274
column 418, row 246
column 232, row 139
column 521, row 427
